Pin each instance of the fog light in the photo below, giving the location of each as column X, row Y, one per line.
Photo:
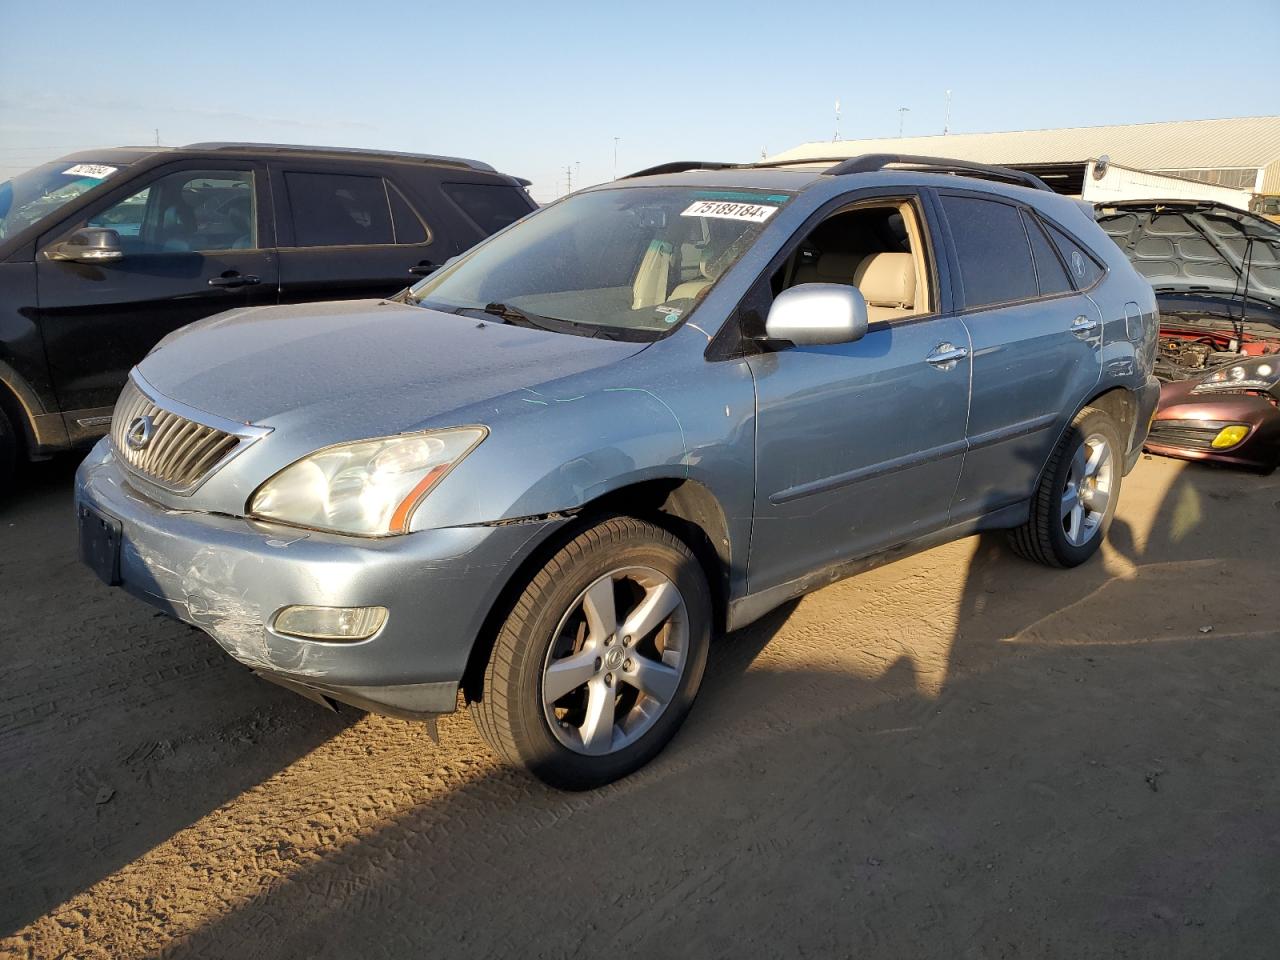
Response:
column 330, row 623
column 1230, row 436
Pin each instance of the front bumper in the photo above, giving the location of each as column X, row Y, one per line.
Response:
column 230, row 575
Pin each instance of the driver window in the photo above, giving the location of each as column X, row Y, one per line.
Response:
column 189, row 211
column 876, row 248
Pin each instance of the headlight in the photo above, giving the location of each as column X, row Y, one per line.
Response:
column 1262, row 373
column 369, row 488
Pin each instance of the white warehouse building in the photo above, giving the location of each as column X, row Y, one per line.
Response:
column 1233, row 160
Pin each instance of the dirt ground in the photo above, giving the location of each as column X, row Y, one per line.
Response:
column 955, row 755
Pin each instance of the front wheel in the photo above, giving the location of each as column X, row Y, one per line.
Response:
column 601, row 657
column 1077, row 495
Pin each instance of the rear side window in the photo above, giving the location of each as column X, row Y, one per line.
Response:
column 331, row 210
column 1084, row 269
column 490, row 206
column 991, row 245
column 1049, row 269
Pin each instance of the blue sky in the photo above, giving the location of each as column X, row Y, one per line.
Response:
column 535, row 88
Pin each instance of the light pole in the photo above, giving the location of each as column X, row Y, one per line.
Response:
column 615, row 157
column 902, row 113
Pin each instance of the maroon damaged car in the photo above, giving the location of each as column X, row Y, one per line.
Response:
column 1216, row 273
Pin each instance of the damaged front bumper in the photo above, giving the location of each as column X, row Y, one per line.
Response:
column 230, row 576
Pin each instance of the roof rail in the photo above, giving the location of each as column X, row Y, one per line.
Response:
column 302, row 148
column 871, row 162
column 680, row 166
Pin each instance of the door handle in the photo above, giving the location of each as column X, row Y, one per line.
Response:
column 423, row 269
column 235, row 280
column 946, row 355
column 1083, row 327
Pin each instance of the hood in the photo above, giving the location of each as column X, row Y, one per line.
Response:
column 362, row 367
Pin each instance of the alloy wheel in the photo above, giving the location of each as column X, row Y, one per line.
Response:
column 1087, row 491
column 616, row 661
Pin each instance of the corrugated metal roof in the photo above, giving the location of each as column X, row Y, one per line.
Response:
column 1240, row 142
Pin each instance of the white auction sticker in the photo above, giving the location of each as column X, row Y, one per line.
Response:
column 730, row 210
column 98, row 171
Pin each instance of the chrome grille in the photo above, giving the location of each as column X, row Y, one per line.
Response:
column 179, row 453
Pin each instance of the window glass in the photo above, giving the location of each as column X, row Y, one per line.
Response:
column 30, row 197
column 189, row 211
column 1084, row 269
column 334, row 210
column 408, row 227
column 1049, row 269
column 491, row 206
column 995, row 259
column 627, row 262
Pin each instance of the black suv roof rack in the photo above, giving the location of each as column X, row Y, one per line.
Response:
column 680, row 166
column 867, row 163
column 871, row 162
column 341, row 151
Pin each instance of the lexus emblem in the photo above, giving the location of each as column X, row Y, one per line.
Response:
column 139, row 433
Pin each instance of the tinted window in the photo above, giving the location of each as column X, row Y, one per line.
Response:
column 331, row 210
column 1049, row 269
column 1084, row 269
column 408, row 226
column 195, row 210
column 490, row 206
column 995, row 260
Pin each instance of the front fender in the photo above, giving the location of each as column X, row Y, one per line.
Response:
column 553, row 452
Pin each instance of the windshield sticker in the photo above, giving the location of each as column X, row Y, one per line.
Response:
column 98, row 171
column 725, row 210
column 669, row 314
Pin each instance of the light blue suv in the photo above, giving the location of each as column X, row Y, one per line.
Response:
column 547, row 474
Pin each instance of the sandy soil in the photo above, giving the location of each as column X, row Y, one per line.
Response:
column 956, row 755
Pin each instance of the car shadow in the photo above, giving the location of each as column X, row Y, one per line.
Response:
column 1077, row 781
column 957, row 755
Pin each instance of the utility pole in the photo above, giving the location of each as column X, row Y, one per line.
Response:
column 837, row 136
column 568, row 178
column 615, row 157
column 902, row 113
column 946, row 123
column 157, row 136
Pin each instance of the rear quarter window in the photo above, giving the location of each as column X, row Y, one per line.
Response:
column 1084, row 269
column 490, row 206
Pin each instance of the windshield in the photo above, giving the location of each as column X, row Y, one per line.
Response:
column 30, row 197
column 630, row 262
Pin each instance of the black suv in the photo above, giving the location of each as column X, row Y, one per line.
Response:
column 104, row 253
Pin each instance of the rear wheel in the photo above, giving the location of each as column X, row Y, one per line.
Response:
column 601, row 657
column 1076, row 499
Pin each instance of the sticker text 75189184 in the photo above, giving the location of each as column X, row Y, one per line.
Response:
column 730, row 210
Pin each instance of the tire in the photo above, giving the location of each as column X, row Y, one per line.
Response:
column 1062, row 532
column 534, row 712
column 8, row 453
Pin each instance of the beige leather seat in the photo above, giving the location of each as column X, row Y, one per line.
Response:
column 692, row 288
column 887, row 280
column 888, row 284
column 828, row 268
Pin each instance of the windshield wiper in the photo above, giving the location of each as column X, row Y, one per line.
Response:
column 517, row 316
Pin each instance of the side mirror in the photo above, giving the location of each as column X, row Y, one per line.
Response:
column 88, row 245
column 817, row 313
